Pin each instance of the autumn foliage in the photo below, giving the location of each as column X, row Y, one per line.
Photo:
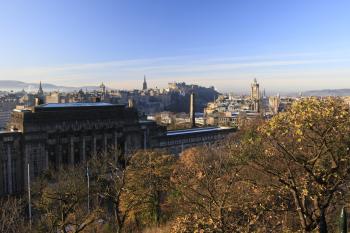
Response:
column 286, row 174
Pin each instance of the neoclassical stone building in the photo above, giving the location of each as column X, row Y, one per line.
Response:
column 11, row 163
column 52, row 135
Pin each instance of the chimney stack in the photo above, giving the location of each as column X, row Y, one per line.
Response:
column 192, row 111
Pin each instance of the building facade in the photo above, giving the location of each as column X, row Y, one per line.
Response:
column 176, row 141
column 11, row 165
column 50, row 136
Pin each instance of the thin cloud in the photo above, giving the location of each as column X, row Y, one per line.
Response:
column 126, row 73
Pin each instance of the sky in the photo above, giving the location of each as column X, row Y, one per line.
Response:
column 289, row 45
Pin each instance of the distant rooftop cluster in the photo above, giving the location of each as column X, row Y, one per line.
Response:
column 168, row 106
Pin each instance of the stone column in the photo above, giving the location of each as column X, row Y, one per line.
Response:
column 145, row 139
column 59, row 154
column 83, row 149
column 116, row 152
column 71, row 157
column 126, row 145
column 105, row 143
column 9, row 169
column 46, row 152
column 26, row 161
column 94, row 144
column 116, row 141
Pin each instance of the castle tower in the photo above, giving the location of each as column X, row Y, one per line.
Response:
column 144, row 86
column 192, row 111
column 255, row 95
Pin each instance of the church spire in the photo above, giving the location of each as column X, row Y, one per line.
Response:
column 144, row 86
column 40, row 91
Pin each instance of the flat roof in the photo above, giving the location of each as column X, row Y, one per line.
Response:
column 69, row 105
column 9, row 132
column 146, row 121
column 196, row 130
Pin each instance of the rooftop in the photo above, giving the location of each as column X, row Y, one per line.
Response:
column 5, row 132
column 70, row 105
column 197, row 130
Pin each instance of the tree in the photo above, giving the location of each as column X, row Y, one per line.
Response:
column 108, row 177
column 215, row 194
column 61, row 202
column 306, row 151
column 12, row 216
column 147, row 184
column 205, row 180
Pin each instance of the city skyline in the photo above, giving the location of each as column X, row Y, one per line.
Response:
column 289, row 46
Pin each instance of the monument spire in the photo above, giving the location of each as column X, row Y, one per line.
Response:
column 192, row 110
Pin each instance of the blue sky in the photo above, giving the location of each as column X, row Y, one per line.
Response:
column 288, row 45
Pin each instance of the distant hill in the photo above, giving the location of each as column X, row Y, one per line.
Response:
column 12, row 85
column 328, row 92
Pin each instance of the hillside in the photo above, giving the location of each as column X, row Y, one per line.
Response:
column 13, row 85
column 328, row 92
